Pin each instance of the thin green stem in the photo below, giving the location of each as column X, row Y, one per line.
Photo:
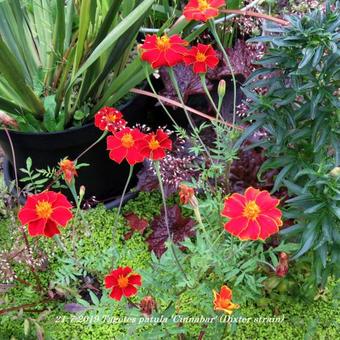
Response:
column 200, row 222
column 64, row 249
column 175, row 84
column 77, row 201
column 156, row 94
column 158, row 173
column 206, row 90
column 122, row 200
column 216, row 240
column 225, row 55
column 92, row 145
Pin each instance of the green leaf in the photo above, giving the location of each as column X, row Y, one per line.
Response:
column 294, row 188
column 295, row 229
column 12, row 72
column 114, row 35
column 26, row 327
column 280, row 176
column 94, row 298
column 314, row 208
column 29, row 163
column 49, row 117
column 308, row 54
column 322, row 252
column 234, row 4
column 84, row 23
column 307, row 241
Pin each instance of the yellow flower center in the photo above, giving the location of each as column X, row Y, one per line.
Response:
column 163, row 43
column 251, row 210
column 154, row 143
column 111, row 117
column 128, row 141
column 43, row 209
column 123, row 281
column 203, row 5
column 200, row 57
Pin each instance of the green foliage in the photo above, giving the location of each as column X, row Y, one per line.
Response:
column 300, row 112
column 58, row 58
column 94, row 246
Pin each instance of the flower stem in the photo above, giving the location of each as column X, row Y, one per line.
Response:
column 155, row 93
column 158, row 173
column 62, row 247
column 175, row 84
column 77, row 201
column 92, row 145
column 225, row 55
column 216, row 240
column 200, row 222
column 122, row 200
column 203, row 82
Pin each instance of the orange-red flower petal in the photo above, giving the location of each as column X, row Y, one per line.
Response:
column 124, row 144
column 202, row 10
column 122, row 282
column 109, row 119
column 163, row 51
column 44, row 212
column 201, row 57
column 252, row 216
column 69, row 169
column 222, row 300
column 155, row 145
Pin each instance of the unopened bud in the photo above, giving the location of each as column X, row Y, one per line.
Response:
column 335, row 172
column 221, row 88
column 282, row 268
column 81, row 191
column 147, row 305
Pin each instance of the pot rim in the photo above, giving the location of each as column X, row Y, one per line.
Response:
column 68, row 130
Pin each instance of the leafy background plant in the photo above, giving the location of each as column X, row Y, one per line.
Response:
column 61, row 61
column 299, row 110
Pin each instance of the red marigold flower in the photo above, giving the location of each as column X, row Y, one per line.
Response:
column 69, row 170
column 124, row 144
column 164, row 50
column 122, row 282
column 253, row 216
column 282, row 268
column 154, row 145
column 201, row 57
column 202, row 10
column 44, row 212
column 109, row 119
column 222, row 300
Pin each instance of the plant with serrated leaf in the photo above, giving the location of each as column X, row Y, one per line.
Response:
column 37, row 179
column 300, row 112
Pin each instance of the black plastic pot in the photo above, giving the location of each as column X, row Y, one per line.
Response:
column 104, row 178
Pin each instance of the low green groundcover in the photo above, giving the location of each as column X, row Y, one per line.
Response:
column 285, row 318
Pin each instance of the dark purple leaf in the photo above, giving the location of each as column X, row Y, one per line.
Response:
column 188, row 82
column 74, row 308
column 242, row 57
column 136, row 224
column 180, row 228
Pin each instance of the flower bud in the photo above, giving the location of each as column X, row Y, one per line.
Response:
column 282, row 268
column 335, row 172
column 187, row 195
column 221, row 88
column 81, row 191
column 147, row 305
